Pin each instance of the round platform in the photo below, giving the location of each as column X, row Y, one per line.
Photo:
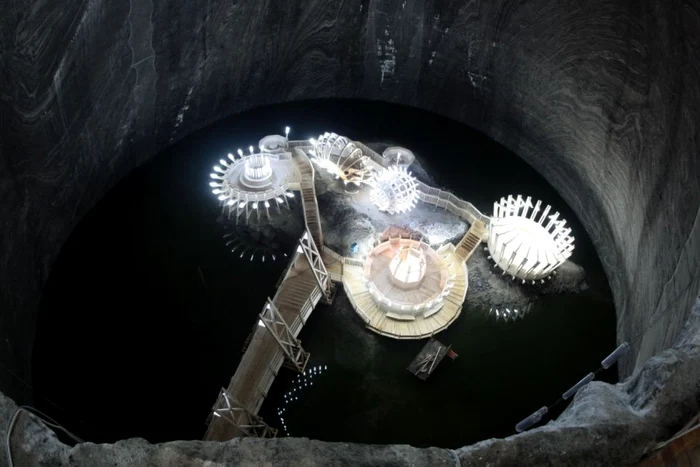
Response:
column 273, row 144
column 423, row 292
column 407, row 325
column 397, row 155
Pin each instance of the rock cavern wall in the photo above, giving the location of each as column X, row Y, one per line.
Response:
column 602, row 97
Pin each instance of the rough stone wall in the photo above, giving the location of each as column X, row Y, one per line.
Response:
column 602, row 97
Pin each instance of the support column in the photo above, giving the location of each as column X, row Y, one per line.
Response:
column 278, row 328
column 246, row 423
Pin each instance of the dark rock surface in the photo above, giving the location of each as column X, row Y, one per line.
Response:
column 602, row 97
column 604, row 425
column 489, row 288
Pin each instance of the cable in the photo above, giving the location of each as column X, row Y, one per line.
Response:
column 9, row 434
column 30, row 387
column 41, row 416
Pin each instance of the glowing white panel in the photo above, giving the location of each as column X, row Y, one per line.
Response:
column 528, row 247
column 394, row 190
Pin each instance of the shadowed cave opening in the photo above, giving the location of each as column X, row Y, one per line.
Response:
column 146, row 310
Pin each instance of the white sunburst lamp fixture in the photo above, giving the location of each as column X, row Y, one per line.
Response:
column 254, row 182
column 394, row 190
column 525, row 241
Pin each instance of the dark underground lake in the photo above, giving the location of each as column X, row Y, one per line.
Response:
column 146, row 310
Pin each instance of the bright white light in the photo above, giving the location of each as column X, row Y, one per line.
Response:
column 231, row 202
column 214, row 184
column 394, row 190
column 230, row 156
column 286, row 131
column 217, row 191
column 258, row 169
column 241, row 205
column 289, row 194
column 255, row 205
column 240, row 152
column 251, row 149
column 407, row 267
column 219, row 169
column 279, row 199
column 527, row 242
column 267, row 205
column 260, row 323
column 223, row 197
column 223, row 162
column 216, row 176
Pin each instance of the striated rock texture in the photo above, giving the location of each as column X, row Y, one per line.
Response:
column 602, row 97
column 605, row 425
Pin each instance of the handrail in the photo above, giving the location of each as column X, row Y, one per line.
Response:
column 354, row 304
column 432, row 195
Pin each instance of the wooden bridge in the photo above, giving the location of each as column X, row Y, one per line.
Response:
column 471, row 240
column 308, row 195
column 273, row 342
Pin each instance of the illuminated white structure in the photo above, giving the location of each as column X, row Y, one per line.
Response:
column 407, row 268
column 394, row 190
column 407, row 278
column 257, row 171
column 342, row 158
column 255, row 182
column 396, row 155
column 273, row 143
column 526, row 242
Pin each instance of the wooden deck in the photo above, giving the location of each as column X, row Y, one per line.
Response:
column 295, row 299
column 428, row 359
column 421, row 327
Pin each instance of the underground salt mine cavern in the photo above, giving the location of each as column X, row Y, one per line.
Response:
column 438, row 233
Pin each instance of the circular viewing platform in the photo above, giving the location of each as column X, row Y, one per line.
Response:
column 407, row 290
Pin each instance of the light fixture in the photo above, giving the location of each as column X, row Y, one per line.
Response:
column 394, row 190
column 525, row 241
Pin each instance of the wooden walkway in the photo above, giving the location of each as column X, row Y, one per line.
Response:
column 295, row 299
column 308, row 196
column 471, row 240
